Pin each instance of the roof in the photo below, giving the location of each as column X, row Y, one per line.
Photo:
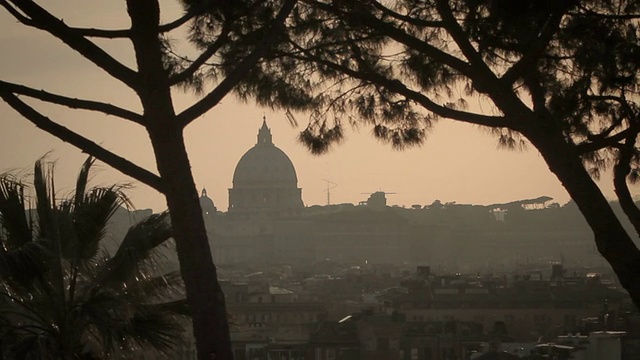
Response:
column 496, row 356
column 265, row 166
column 274, row 290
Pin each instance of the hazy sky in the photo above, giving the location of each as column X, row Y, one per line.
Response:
column 458, row 163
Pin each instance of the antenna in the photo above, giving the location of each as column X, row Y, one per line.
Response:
column 330, row 185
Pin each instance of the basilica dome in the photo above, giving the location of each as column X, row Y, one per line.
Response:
column 265, row 179
column 264, row 165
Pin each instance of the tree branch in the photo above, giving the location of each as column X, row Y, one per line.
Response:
column 406, row 18
column 117, row 162
column 238, row 73
column 105, row 108
column 398, row 87
column 40, row 18
column 535, row 51
column 598, row 15
column 460, row 38
column 101, row 33
column 603, row 140
column 483, row 78
column 410, row 41
column 202, row 58
column 612, row 140
column 620, row 172
column 126, row 33
column 193, row 12
column 17, row 15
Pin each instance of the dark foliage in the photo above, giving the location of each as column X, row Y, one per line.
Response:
column 63, row 296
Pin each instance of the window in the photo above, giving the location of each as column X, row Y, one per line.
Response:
column 414, row 354
column 331, row 354
column 266, row 318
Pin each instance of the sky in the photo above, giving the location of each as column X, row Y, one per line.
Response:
column 458, row 162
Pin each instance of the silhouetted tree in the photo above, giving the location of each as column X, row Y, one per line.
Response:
column 159, row 69
column 562, row 74
column 62, row 295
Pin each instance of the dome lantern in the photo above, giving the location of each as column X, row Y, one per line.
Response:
column 264, row 134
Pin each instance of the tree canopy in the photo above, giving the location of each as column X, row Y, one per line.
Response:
column 560, row 75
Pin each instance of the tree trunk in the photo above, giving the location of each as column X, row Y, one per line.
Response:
column 612, row 241
column 204, row 295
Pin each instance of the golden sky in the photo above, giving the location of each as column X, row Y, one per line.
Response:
column 458, row 162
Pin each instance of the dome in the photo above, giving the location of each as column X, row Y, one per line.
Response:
column 265, row 181
column 264, row 165
column 207, row 204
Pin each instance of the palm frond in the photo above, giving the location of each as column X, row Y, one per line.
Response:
column 14, row 225
column 62, row 294
column 90, row 217
column 177, row 307
column 106, row 312
column 44, row 199
column 31, row 346
column 83, row 179
column 136, row 246
column 152, row 289
column 26, row 263
column 153, row 326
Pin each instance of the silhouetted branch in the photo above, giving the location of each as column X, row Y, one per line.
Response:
column 536, row 91
column 460, row 38
column 202, row 58
column 179, row 21
column 620, row 172
column 408, row 19
column 106, row 108
column 117, row 162
column 405, row 38
column 397, row 86
column 126, row 33
column 17, row 15
column 602, row 139
column 612, row 140
column 590, row 12
column 238, row 73
column 534, row 52
column 101, row 33
column 40, row 18
column 606, row 132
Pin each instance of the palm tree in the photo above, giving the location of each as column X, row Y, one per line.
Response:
column 62, row 295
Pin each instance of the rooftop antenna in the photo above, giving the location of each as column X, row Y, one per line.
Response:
column 330, row 185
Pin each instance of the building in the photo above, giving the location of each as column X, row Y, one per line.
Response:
column 267, row 221
column 265, row 191
column 265, row 184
